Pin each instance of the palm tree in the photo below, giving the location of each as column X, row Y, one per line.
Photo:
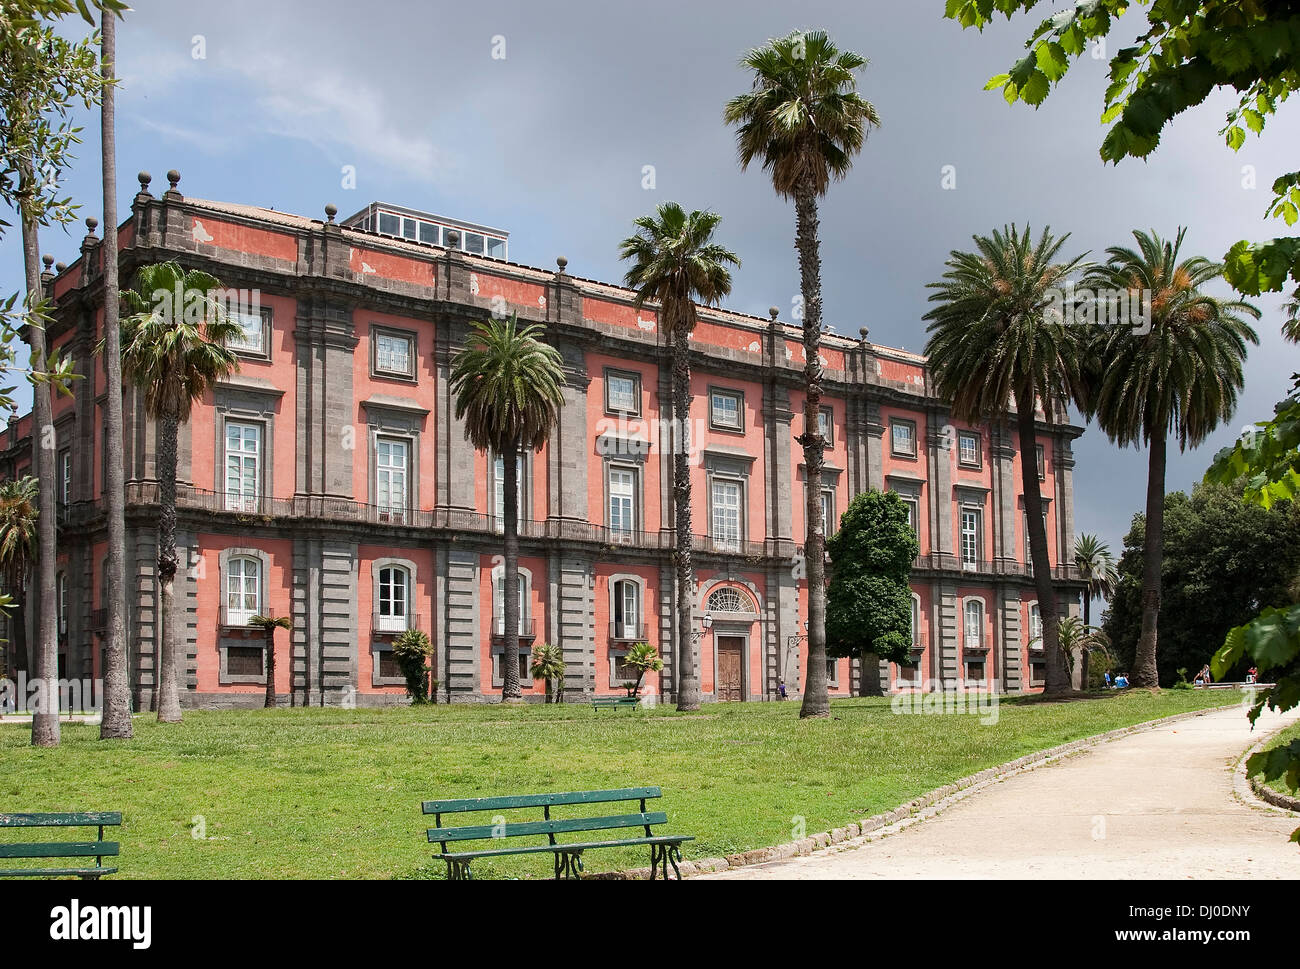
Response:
column 268, row 625
column 508, row 387
column 1076, row 636
column 174, row 356
column 116, row 720
column 676, row 263
column 643, row 658
column 548, row 666
column 18, row 525
column 994, row 346
column 1182, row 376
column 1097, row 569
column 805, row 121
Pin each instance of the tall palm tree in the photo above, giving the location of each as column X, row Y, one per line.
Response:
column 174, row 355
column 116, row 721
column 18, row 525
column 268, row 625
column 676, row 263
column 994, row 346
column 1181, row 377
column 804, row 120
column 508, row 387
column 1097, row 569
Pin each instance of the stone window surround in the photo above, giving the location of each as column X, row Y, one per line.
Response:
column 917, row 639
column 497, row 644
column 1034, row 650
column 257, row 640
column 978, row 463
column 830, row 486
column 830, row 423
column 638, row 490
column 384, row 329
column 383, row 642
column 268, row 321
column 970, row 498
column 525, row 486
column 983, row 647
column 739, row 395
column 635, row 377
column 399, row 423
column 244, row 403
column 618, row 649
column 732, row 466
column 893, row 446
column 833, row 672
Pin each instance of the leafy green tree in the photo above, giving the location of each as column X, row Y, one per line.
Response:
column 994, row 346
column 1097, row 569
column 869, row 601
column 643, row 658
column 1187, row 51
column 676, row 263
column 412, row 650
column 268, row 625
column 174, row 354
column 1224, row 560
column 1268, row 458
column 804, row 120
column 18, row 517
column 508, row 388
column 548, row 666
column 1180, row 377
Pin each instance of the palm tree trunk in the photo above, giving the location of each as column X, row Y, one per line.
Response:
column 1144, row 663
column 270, row 669
column 688, row 661
column 816, row 699
column 1058, row 680
column 168, row 701
column 1087, row 627
column 510, row 579
column 116, row 722
column 869, row 675
column 45, row 719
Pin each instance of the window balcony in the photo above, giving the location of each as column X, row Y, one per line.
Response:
column 237, row 618
column 393, row 625
column 526, row 630
column 626, row 632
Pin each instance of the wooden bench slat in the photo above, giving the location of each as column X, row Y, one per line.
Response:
column 65, row 820
column 484, row 832
column 538, row 800
column 59, row 849
column 52, row 872
column 579, row 846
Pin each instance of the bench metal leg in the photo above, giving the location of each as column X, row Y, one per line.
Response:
column 458, row 871
column 568, row 864
column 661, row 856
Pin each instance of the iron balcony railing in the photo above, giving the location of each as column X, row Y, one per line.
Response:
column 394, row 625
column 627, row 632
column 526, row 628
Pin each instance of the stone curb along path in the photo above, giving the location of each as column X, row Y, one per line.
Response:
column 915, row 810
column 1246, row 785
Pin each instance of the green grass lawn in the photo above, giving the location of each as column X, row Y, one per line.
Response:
column 336, row 793
column 1281, row 740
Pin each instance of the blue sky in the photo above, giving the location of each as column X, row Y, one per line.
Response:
column 550, row 142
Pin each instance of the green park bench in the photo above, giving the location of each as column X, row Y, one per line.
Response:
column 665, row 850
column 98, row 849
column 614, row 702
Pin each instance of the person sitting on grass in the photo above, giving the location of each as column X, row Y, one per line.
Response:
column 1121, row 682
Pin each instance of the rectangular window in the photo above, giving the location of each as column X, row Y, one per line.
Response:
column 622, row 392
column 243, row 466
column 725, row 410
column 243, row 590
column 65, row 480
column 499, row 605
column 826, row 424
column 832, row 673
column 830, row 525
column 245, row 661
column 394, row 353
column 389, row 224
column 622, row 501
column 410, row 228
column 499, row 485
column 429, row 233
column 62, row 603
column 391, row 475
column 916, row 621
column 903, row 437
column 968, row 449
column 1042, row 463
column 970, row 539
column 496, row 248
column 975, row 671
column 726, row 514
column 913, row 511
column 1029, row 555
column 473, row 243
column 256, row 331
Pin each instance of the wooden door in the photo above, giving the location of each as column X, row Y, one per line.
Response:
column 730, row 682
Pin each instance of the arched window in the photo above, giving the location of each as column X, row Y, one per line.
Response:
column 394, row 597
column 729, row 599
column 1035, row 627
column 974, row 612
column 625, row 624
column 499, row 602
column 243, row 590
column 916, row 619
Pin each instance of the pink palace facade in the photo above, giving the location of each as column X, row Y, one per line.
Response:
column 329, row 481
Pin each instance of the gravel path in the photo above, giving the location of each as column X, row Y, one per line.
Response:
column 1164, row 803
